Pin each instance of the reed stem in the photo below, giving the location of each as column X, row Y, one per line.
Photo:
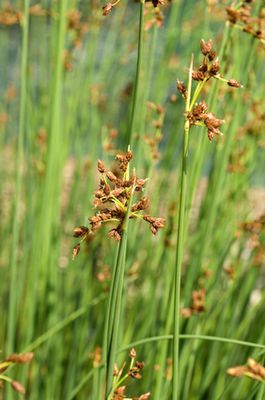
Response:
column 12, row 308
column 180, row 242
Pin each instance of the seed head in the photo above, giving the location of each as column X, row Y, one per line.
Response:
column 18, row 387
column 101, row 167
column 181, row 88
column 133, row 353
column 80, row 231
column 206, row 47
column 115, row 234
column 234, row 83
column 107, row 9
column 20, row 358
column 214, row 68
column 76, row 250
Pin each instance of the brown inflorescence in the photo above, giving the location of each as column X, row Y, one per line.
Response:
column 113, row 197
column 209, row 68
column 199, row 115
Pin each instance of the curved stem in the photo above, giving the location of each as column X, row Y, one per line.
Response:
column 193, row 337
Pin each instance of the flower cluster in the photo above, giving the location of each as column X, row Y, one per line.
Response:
column 253, row 370
column 209, row 68
column 200, row 116
column 241, row 18
column 120, row 376
column 107, row 8
column 113, row 199
column 8, row 362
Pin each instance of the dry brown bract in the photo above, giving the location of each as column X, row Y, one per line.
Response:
column 253, row 370
column 113, row 198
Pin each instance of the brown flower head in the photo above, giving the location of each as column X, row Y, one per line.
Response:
column 113, row 200
column 181, row 88
column 206, row 47
column 198, row 113
column 234, row 83
column 106, row 10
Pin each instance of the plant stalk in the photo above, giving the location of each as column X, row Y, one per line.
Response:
column 137, row 76
column 12, row 309
column 180, row 243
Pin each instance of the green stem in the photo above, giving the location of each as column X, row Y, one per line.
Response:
column 180, row 242
column 116, row 311
column 138, row 72
column 12, row 309
column 193, row 337
column 115, row 305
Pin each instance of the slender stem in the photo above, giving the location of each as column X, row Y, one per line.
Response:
column 5, row 378
column 179, row 249
column 62, row 324
column 138, row 72
column 116, row 309
column 115, row 305
column 193, row 337
column 15, row 229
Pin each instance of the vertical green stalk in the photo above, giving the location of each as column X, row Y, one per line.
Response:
column 138, row 72
column 12, row 308
column 115, row 305
column 180, row 242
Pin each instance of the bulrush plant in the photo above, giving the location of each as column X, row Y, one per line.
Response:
column 196, row 114
column 115, row 205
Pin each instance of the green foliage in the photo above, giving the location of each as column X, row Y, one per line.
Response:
column 67, row 99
